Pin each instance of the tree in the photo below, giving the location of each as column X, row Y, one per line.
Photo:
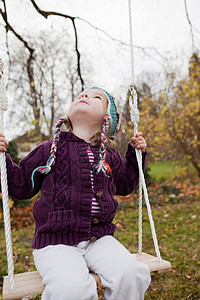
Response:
column 148, row 110
column 181, row 115
column 32, row 5
column 44, row 92
column 171, row 121
column 13, row 151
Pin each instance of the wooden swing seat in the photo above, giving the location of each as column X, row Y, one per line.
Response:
column 30, row 283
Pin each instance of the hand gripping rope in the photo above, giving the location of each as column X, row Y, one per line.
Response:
column 4, row 185
column 134, row 113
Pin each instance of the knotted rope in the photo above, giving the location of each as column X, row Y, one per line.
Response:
column 134, row 114
column 4, row 185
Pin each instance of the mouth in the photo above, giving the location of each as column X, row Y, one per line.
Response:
column 82, row 101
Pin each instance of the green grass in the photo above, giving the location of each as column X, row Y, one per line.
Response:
column 178, row 236
column 164, row 170
column 177, row 227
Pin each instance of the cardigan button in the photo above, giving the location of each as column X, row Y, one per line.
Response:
column 99, row 195
column 93, row 239
column 95, row 221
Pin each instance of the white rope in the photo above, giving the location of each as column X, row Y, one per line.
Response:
column 4, row 186
column 134, row 114
column 140, row 218
column 131, row 42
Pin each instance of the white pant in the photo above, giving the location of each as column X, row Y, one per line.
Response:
column 65, row 271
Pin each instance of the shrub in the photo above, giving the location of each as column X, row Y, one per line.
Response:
column 13, row 151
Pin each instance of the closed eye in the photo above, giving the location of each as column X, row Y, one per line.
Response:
column 98, row 97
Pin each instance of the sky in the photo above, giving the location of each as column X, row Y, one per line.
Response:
column 159, row 26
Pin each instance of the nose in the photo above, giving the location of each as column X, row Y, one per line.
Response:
column 84, row 96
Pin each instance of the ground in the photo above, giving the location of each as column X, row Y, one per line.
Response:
column 176, row 211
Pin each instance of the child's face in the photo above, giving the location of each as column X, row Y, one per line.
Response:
column 90, row 105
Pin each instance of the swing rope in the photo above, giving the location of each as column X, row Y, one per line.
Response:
column 134, row 113
column 4, row 185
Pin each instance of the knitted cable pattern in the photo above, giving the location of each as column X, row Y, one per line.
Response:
column 46, row 169
column 102, row 165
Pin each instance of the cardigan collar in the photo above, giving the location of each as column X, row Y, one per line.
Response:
column 69, row 136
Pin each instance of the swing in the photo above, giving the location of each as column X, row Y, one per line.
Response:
column 17, row 286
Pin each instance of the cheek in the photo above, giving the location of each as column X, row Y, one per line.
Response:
column 101, row 108
column 102, row 111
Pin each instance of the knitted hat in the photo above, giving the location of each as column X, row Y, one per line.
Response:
column 112, row 123
column 114, row 115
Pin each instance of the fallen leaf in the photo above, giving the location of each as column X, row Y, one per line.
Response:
column 11, row 203
column 193, row 217
column 192, row 239
column 194, row 257
column 173, row 271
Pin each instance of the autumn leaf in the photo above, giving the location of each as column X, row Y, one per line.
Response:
column 11, row 203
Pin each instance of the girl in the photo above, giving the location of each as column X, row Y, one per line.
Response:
column 74, row 229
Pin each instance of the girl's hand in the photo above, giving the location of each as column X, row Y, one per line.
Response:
column 138, row 142
column 3, row 143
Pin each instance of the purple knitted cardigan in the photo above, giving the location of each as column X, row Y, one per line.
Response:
column 63, row 212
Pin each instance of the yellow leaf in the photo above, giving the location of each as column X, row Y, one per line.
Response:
column 11, row 203
column 164, row 109
column 167, row 199
column 156, row 139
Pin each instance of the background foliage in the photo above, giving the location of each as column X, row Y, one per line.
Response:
column 45, row 73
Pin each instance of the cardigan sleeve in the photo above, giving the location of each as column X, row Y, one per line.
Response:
column 127, row 176
column 19, row 176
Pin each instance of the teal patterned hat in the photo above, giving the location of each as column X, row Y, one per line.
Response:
column 112, row 124
column 114, row 114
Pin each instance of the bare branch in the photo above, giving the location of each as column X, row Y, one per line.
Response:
column 7, row 46
column 104, row 32
column 9, row 27
column 191, row 29
column 143, row 49
column 45, row 14
column 48, row 13
column 78, row 55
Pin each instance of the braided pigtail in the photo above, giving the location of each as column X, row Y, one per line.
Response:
column 46, row 169
column 102, row 165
